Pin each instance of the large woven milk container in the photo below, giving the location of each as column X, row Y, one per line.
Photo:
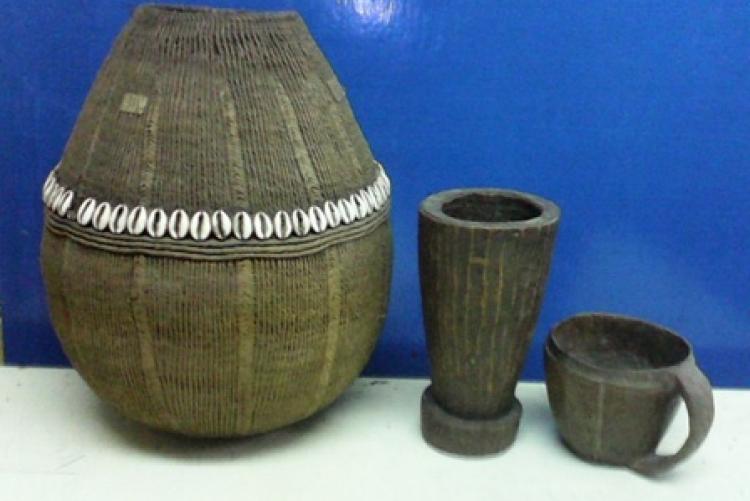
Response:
column 217, row 247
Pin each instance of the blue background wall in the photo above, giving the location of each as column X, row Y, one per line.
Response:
column 633, row 116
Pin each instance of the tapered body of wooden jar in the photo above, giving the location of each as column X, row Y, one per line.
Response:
column 484, row 259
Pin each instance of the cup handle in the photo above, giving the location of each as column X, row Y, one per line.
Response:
column 695, row 390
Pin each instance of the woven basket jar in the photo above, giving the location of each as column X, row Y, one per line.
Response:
column 217, row 247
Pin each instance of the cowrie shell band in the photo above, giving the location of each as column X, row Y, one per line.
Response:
column 107, row 217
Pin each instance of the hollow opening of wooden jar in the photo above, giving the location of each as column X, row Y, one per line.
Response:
column 491, row 208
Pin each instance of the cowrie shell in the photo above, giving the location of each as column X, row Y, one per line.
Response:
column 318, row 221
column 54, row 192
column 86, row 211
column 379, row 195
column 48, row 184
column 179, row 224
column 100, row 220
column 263, row 225
column 374, row 198
column 56, row 198
column 369, row 201
column 380, row 185
column 221, row 224
column 386, row 196
column 156, row 225
column 49, row 196
column 200, row 225
column 347, row 211
column 50, row 179
column 387, row 183
column 242, row 225
column 282, row 225
column 118, row 221
column 47, row 193
column 356, row 202
column 137, row 220
column 300, row 222
column 332, row 214
column 65, row 202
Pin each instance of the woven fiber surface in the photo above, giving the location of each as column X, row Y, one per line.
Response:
column 240, row 111
column 200, row 110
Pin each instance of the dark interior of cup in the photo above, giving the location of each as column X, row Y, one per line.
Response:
column 491, row 208
column 619, row 343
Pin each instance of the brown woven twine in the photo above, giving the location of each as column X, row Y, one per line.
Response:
column 202, row 109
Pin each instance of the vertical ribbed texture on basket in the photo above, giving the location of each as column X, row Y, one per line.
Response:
column 212, row 109
column 242, row 111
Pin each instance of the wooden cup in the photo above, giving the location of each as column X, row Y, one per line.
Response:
column 614, row 383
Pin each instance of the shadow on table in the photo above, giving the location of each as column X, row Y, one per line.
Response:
column 537, row 418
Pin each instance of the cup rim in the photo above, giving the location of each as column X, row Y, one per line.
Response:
column 552, row 346
column 433, row 208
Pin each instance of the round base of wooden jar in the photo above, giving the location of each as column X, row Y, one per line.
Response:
column 468, row 436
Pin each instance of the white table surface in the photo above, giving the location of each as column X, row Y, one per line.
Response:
column 58, row 441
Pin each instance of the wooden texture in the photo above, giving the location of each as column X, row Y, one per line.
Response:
column 484, row 260
column 613, row 385
column 474, row 436
column 222, row 110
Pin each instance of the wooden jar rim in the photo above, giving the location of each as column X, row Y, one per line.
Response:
column 546, row 213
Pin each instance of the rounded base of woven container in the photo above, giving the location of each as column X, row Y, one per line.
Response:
column 218, row 349
column 187, row 430
column 471, row 437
